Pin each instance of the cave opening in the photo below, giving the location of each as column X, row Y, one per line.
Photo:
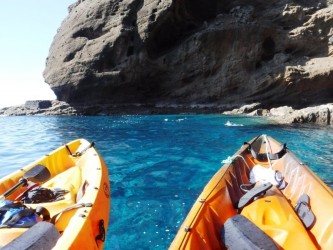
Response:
column 268, row 47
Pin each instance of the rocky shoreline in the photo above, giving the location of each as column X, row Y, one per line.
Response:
column 321, row 114
column 60, row 108
column 39, row 107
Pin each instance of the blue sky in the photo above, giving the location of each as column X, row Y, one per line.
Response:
column 27, row 29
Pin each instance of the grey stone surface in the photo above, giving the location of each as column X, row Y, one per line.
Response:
column 193, row 52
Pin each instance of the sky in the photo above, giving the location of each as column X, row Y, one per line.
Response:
column 27, row 29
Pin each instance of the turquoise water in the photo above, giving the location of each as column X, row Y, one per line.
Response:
column 158, row 165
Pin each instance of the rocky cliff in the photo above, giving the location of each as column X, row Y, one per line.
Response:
column 217, row 52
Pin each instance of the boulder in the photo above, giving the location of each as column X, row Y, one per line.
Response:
column 319, row 115
column 281, row 111
column 38, row 104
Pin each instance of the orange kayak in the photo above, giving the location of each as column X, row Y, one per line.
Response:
column 263, row 197
column 71, row 187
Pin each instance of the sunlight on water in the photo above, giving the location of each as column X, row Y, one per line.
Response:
column 158, row 165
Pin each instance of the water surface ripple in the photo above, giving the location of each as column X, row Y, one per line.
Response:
column 158, row 165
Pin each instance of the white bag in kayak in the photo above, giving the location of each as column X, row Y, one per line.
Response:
column 264, row 175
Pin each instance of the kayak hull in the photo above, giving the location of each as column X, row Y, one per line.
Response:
column 78, row 168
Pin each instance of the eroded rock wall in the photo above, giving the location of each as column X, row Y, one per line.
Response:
column 194, row 51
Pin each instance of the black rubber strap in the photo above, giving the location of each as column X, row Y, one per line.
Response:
column 263, row 156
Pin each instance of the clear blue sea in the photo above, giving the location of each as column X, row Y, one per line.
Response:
column 159, row 164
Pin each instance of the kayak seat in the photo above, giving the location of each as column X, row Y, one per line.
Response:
column 42, row 235
column 238, row 232
column 274, row 215
column 69, row 180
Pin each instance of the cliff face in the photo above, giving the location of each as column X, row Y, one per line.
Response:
column 194, row 51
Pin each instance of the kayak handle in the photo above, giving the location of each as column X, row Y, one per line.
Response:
column 22, row 182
